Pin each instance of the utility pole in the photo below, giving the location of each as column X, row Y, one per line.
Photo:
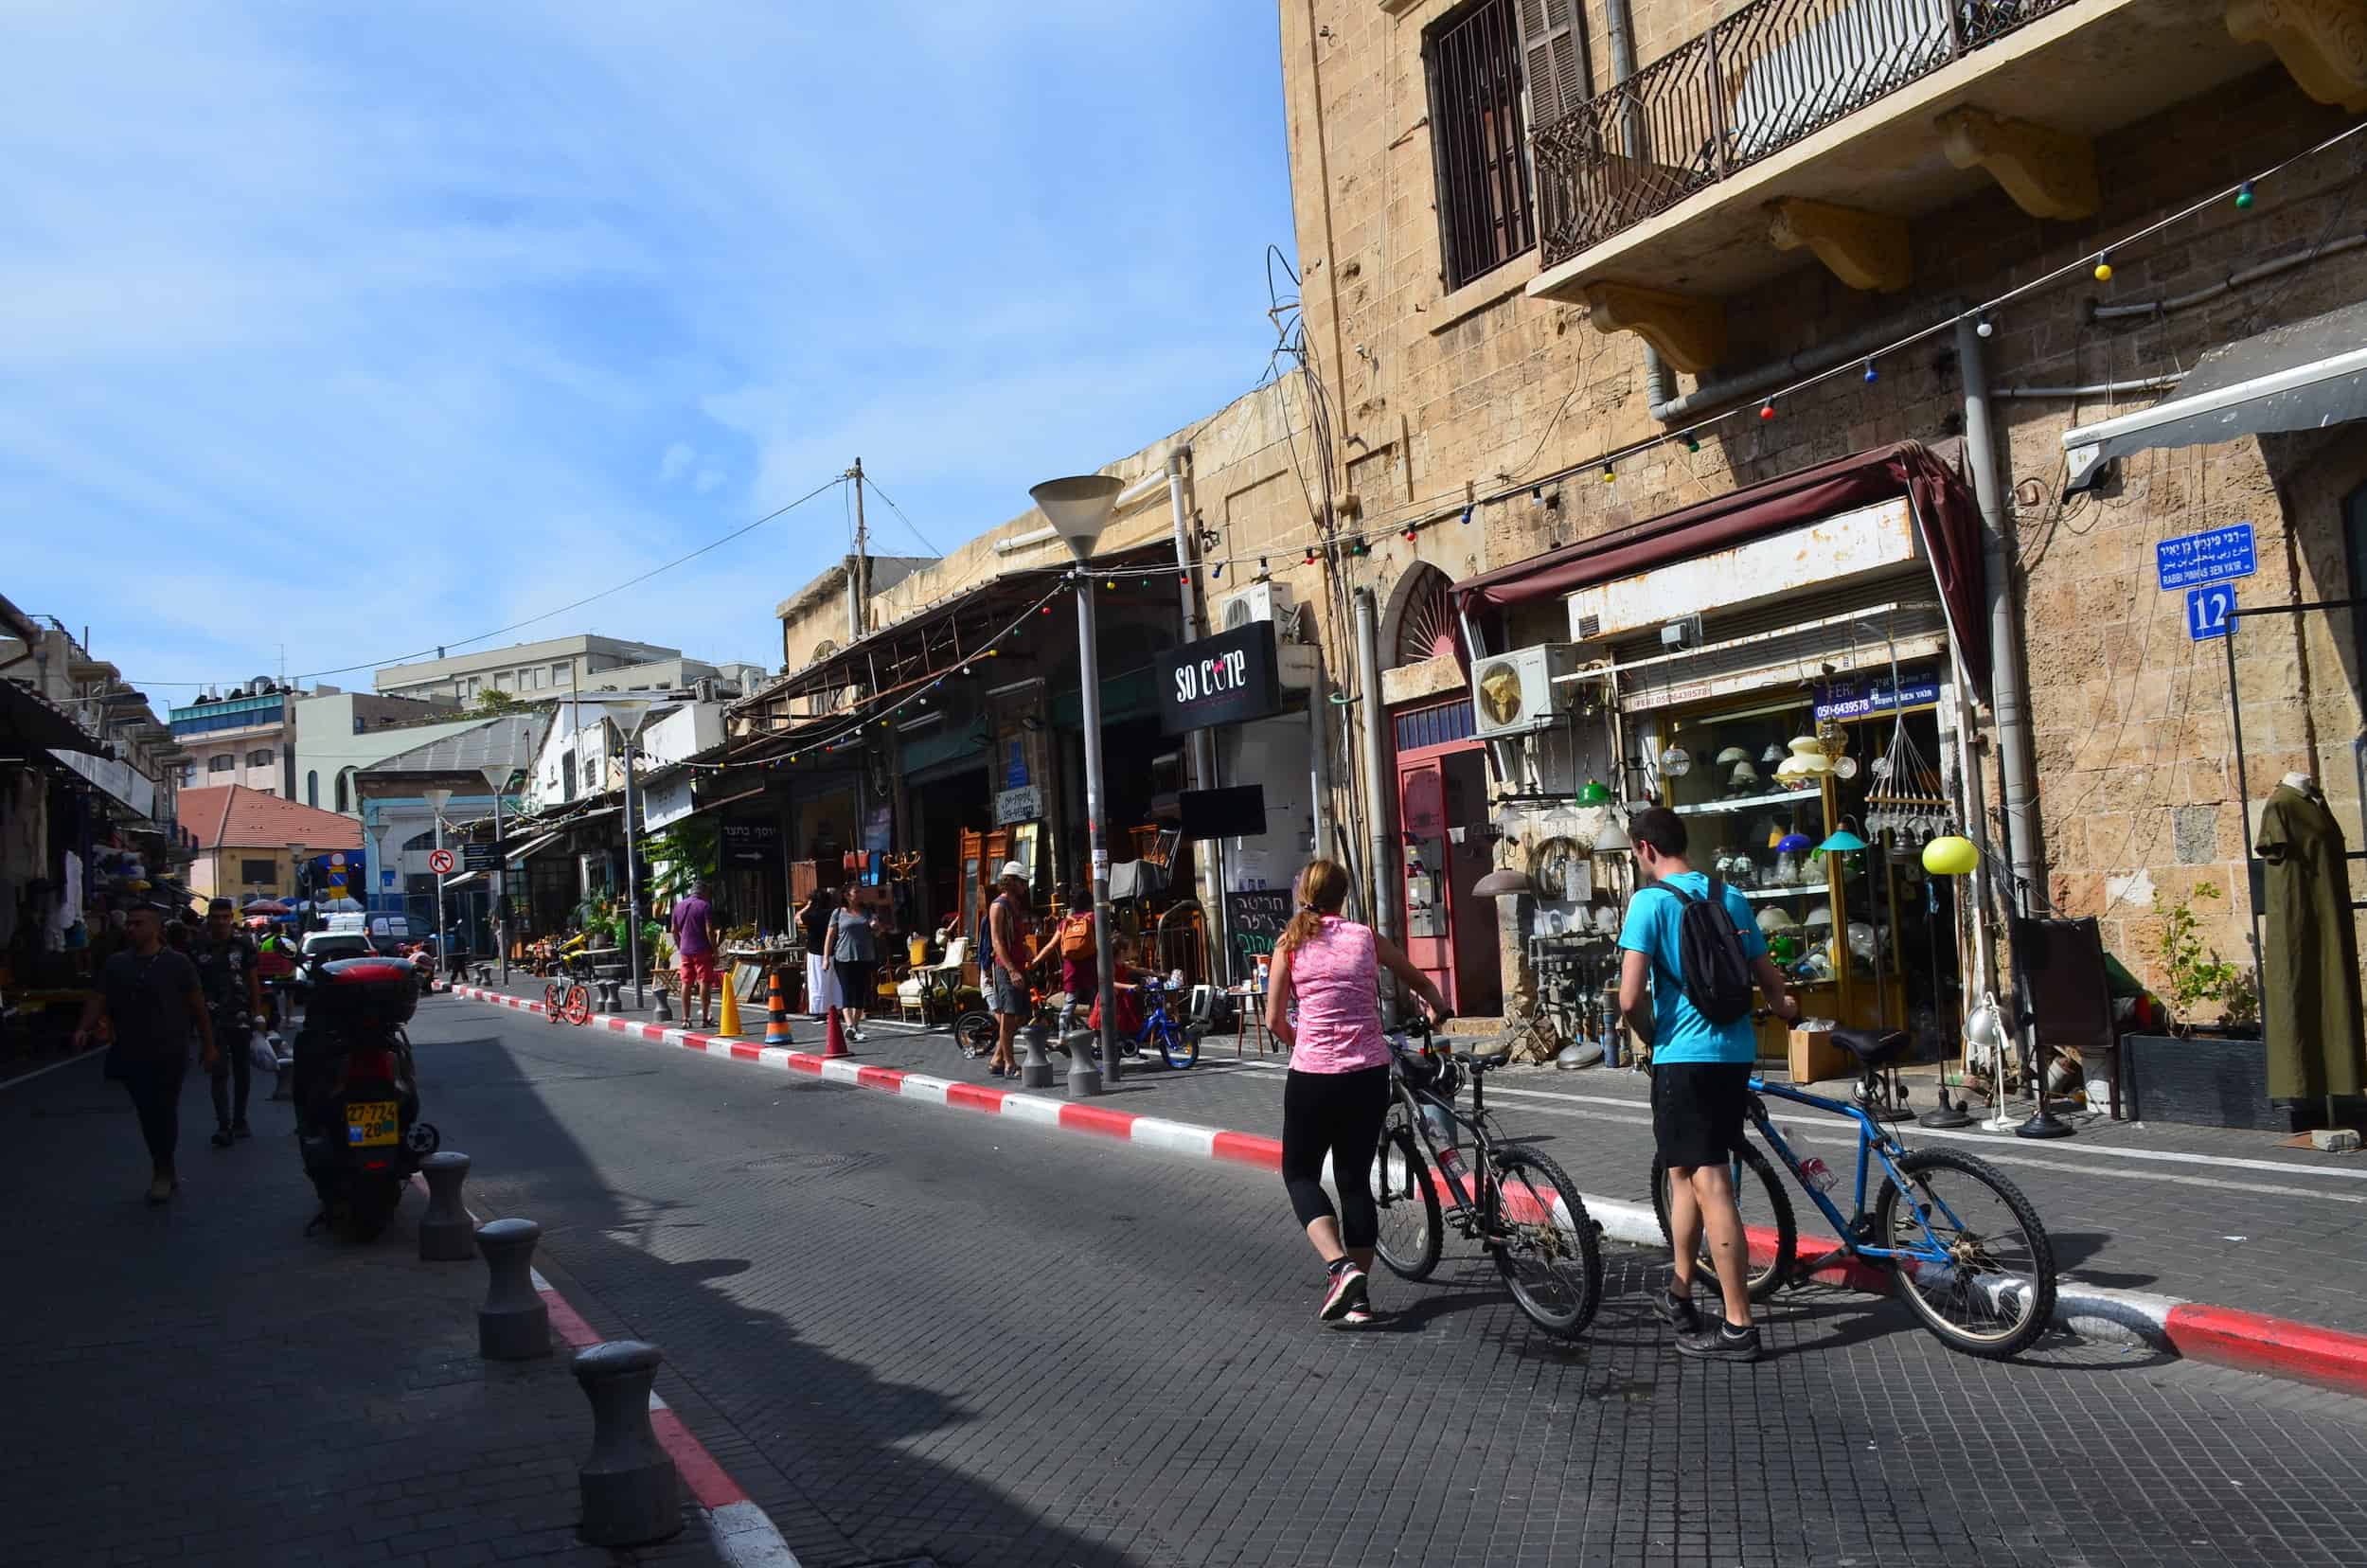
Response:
column 858, row 573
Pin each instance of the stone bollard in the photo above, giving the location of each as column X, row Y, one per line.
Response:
column 1036, row 1071
column 513, row 1325
column 665, row 1006
column 631, row 1494
column 447, row 1235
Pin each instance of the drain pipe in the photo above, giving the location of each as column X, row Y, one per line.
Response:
column 1319, row 761
column 1383, row 852
column 1809, row 361
column 1659, row 383
column 1204, row 743
column 2227, row 284
column 2006, row 698
column 2094, row 390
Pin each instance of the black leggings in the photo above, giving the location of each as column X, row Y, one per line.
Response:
column 155, row 1091
column 1338, row 1115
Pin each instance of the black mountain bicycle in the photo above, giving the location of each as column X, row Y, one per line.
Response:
column 1521, row 1209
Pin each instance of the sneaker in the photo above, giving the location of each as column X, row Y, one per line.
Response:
column 1356, row 1317
column 855, row 1033
column 240, row 1130
column 222, row 1136
column 159, row 1189
column 1675, row 1310
column 1346, row 1295
column 1720, row 1342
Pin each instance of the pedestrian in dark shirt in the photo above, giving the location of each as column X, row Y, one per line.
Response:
column 229, row 968
column 152, row 999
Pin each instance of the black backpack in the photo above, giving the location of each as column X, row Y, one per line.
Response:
column 1715, row 975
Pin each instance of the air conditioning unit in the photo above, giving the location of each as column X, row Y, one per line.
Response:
column 1514, row 693
column 1266, row 601
column 706, row 690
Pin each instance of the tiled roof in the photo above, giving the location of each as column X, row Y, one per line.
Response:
column 234, row 816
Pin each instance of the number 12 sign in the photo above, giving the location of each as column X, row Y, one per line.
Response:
column 2207, row 611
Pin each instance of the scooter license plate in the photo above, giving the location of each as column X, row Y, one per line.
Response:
column 371, row 1124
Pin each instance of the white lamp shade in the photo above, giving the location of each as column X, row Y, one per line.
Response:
column 437, row 799
column 497, row 777
column 1614, row 838
column 1078, row 508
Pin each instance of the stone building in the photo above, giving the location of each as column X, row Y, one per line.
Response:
column 1570, row 269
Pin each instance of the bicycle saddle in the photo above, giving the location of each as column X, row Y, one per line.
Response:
column 1873, row 1047
column 1482, row 1061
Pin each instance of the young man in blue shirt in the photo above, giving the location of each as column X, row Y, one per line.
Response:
column 1700, row 1082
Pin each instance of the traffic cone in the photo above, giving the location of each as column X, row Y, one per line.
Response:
column 776, row 1019
column 731, row 1004
column 834, row 1041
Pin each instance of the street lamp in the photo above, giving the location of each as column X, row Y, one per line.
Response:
column 497, row 779
column 436, row 800
column 296, row 880
column 1079, row 508
column 629, row 712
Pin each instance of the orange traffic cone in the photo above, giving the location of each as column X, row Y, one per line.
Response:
column 776, row 1019
column 731, row 1004
column 834, row 1041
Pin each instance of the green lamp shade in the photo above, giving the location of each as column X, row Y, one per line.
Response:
column 1595, row 794
column 1951, row 855
column 1842, row 842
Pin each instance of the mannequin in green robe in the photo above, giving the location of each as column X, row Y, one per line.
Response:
column 2310, row 989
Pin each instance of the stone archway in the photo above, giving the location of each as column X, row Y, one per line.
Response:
column 1419, row 622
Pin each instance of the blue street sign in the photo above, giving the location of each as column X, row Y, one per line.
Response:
column 2213, row 556
column 2207, row 611
column 385, row 878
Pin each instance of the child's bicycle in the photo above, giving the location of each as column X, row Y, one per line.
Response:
column 1525, row 1212
column 1966, row 1250
column 1177, row 1041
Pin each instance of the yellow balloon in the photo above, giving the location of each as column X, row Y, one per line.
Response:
column 1950, row 855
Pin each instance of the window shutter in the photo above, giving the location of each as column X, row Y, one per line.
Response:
column 1553, row 62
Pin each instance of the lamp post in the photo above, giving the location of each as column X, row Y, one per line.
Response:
column 497, row 779
column 629, row 712
column 436, row 800
column 295, row 880
column 1079, row 508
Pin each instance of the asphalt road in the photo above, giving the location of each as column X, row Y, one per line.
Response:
column 916, row 1333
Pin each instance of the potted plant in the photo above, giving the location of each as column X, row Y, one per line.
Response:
column 2211, row 1072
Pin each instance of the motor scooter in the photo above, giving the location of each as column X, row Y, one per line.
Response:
column 356, row 1093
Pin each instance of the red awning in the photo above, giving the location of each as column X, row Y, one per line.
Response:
column 1944, row 511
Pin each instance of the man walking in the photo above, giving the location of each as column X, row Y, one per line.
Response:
column 151, row 997
column 1006, row 973
column 229, row 969
column 694, row 941
column 1701, row 952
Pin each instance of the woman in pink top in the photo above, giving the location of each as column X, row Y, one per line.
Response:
column 1337, row 1091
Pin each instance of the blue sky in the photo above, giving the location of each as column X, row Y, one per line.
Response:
column 360, row 334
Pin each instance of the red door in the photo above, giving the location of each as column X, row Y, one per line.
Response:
column 1429, row 899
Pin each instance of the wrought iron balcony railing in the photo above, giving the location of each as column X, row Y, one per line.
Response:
column 1757, row 82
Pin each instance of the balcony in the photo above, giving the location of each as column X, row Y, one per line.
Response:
column 1828, row 125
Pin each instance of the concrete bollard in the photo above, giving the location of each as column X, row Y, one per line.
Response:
column 665, row 1006
column 631, row 1494
column 513, row 1325
column 446, row 1233
column 1035, row 1072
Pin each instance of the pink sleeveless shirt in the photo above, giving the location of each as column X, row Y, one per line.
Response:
column 1335, row 984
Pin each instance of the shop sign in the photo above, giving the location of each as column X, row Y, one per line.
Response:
column 1856, row 699
column 127, row 787
column 1229, row 679
column 1822, row 552
column 750, row 843
column 663, row 805
column 1256, row 918
column 1023, row 804
column 2214, row 554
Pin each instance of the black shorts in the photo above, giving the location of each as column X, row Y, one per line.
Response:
column 1697, row 1110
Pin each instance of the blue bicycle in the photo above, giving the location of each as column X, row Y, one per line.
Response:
column 1177, row 1041
column 1964, row 1248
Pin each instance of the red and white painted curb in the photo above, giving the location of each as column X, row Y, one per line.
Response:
column 743, row 1534
column 2252, row 1342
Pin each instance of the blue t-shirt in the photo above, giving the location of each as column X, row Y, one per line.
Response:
column 1679, row 1033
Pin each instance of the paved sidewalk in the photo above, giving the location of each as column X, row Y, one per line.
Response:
column 202, row 1385
column 2228, row 1217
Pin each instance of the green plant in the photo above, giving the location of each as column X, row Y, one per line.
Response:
column 680, row 855
column 2198, row 975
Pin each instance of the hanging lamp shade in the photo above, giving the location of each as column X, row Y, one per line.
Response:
column 1503, row 882
column 1840, row 841
column 1791, row 844
column 1951, row 855
column 1595, row 794
column 1614, row 838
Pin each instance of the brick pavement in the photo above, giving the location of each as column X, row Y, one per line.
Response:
column 2288, row 1242
column 201, row 1384
column 990, row 1343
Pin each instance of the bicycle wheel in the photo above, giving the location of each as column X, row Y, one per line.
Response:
column 1767, row 1221
column 579, row 1005
column 1407, row 1198
column 1546, row 1248
column 1994, row 1294
column 975, row 1033
column 1179, row 1046
column 554, row 1002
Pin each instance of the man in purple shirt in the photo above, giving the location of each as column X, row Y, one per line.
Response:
column 694, row 939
